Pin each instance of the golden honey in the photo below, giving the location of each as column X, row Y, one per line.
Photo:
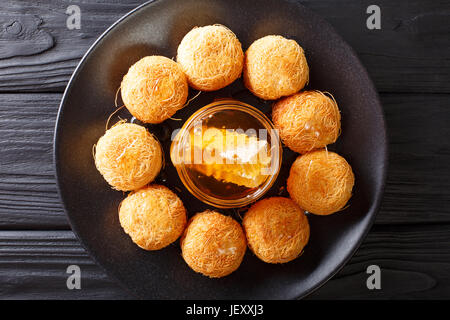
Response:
column 227, row 154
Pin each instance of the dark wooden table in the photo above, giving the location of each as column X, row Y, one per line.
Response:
column 408, row 59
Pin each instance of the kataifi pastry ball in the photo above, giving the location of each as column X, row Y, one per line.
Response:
column 213, row 244
column 275, row 67
column 153, row 217
column 211, row 57
column 154, row 89
column 321, row 182
column 277, row 229
column 128, row 156
column 307, row 120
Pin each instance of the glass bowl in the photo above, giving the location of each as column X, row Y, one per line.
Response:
column 227, row 154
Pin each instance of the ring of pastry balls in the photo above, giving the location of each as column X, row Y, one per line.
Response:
column 307, row 120
column 154, row 89
column 321, row 182
column 211, row 57
column 153, row 217
column 277, row 229
column 275, row 67
column 128, row 156
column 213, row 244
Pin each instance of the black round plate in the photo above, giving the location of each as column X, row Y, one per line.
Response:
column 157, row 28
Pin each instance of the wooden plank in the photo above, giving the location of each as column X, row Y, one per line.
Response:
column 409, row 54
column 33, row 265
column 414, row 262
column 416, row 191
column 28, row 194
column 51, row 69
column 418, row 181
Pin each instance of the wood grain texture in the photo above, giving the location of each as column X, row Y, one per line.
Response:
column 51, row 69
column 414, row 262
column 418, row 182
column 33, row 265
column 28, row 194
column 411, row 53
column 416, row 191
column 22, row 36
